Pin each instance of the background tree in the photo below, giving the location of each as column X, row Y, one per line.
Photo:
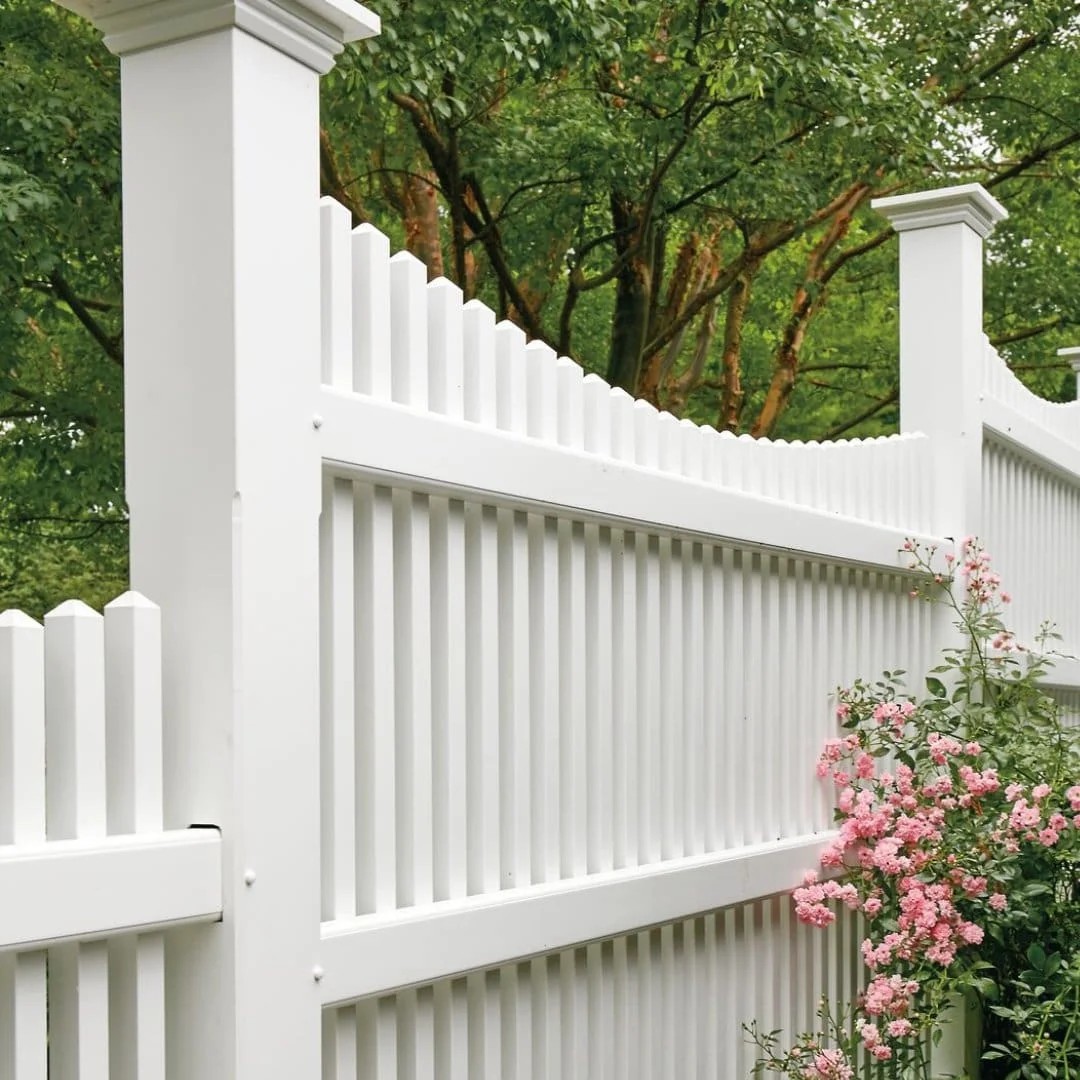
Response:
column 675, row 194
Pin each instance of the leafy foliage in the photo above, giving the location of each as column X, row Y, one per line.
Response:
column 959, row 842
column 674, row 194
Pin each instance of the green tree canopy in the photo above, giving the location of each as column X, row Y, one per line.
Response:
column 675, row 194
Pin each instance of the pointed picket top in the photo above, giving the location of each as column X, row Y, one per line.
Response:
column 72, row 609
column 131, row 599
column 14, row 619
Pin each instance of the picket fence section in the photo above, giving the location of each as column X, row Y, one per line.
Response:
column 88, row 877
column 1031, row 492
column 556, row 625
column 575, row 656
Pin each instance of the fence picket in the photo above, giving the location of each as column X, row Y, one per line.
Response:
column 78, row 985
column 478, row 330
column 335, row 294
column 446, row 384
column 449, row 730
column 371, row 312
column 23, row 1034
column 570, row 403
column 541, row 391
column 597, row 412
column 482, row 694
column 510, row 378
column 376, row 769
column 136, row 965
column 408, row 330
column 412, row 697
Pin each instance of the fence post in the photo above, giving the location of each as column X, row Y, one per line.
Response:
column 941, row 337
column 942, row 350
column 1072, row 355
column 220, row 129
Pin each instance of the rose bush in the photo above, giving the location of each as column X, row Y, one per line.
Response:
column 958, row 839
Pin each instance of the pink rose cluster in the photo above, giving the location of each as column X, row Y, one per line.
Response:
column 983, row 585
column 829, row 1065
column 923, row 845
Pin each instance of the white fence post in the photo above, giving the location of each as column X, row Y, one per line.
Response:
column 941, row 337
column 1072, row 354
column 221, row 260
column 942, row 349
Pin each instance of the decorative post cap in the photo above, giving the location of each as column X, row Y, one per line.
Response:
column 310, row 31
column 970, row 204
column 1072, row 354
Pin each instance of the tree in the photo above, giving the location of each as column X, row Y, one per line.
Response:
column 676, row 195
column 62, row 518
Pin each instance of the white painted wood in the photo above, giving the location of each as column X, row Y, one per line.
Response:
column 449, row 731
column 434, row 453
column 340, row 1055
column 23, row 1032
column 600, row 751
column 371, row 312
column 76, row 809
column 23, row 1035
column 377, row 847
column 135, row 800
column 572, row 719
column 408, row 330
column 312, row 33
column 335, row 294
column 478, row 330
column 377, row 954
column 412, row 697
column 75, row 722
column 338, row 706
column 133, row 714
column 570, row 404
column 515, row 736
column 544, row 696
column 69, row 889
column 446, row 385
column 941, row 336
column 541, row 391
column 597, row 415
column 510, row 378
column 233, row 110
column 482, row 697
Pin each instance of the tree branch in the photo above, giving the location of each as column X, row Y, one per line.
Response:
column 111, row 345
column 882, row 403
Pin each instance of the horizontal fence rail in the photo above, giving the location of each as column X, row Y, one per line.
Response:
column 665, row 1002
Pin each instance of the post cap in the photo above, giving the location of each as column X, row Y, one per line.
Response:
column 310, row 31
column 969, row 204
column 1072, row 354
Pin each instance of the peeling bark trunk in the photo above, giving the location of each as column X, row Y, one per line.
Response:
column 808, row 299
column 421, row 218
column 732, row 393
column 690, row 380
column 633, row 287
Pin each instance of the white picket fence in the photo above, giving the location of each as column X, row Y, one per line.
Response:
column 556, row 626
column 88, row 876
column 500, row 691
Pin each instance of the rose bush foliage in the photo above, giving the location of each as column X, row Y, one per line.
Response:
column 958, row 842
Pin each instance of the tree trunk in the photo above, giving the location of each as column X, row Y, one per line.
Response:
column 731, row 397
column 421, row 218
column 633, row 288
column 808, row 298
